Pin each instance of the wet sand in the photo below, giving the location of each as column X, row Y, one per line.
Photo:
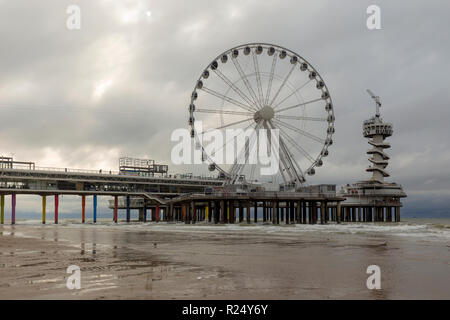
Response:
column 176, row 261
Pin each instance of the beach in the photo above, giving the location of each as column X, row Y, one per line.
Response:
column 204, row 261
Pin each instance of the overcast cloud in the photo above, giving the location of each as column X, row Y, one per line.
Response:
column 122, row 83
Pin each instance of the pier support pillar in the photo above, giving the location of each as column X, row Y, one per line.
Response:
column 116, row 200
column 95, row 207
column 322, row 212
column 157, row 213
column 83, row 209
column 2, row 209
column 264, row 211
column 128, row 208
column 44, row 205
column 338, row 212
column 56, row 208
column 255, row 213
column 223, row 214
column 274, row 212
column 304, row 212
column 13, row 208
column 241, row 212
column 248, row 212
column 193, row 212
column 292, row 210
column 278, row 211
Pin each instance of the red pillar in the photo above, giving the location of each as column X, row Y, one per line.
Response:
column 56, row 208
column 115, row 208
column 157, row 212
column 83, row 208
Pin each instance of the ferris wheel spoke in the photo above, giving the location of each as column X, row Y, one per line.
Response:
column 283, row 161
column 246, row 82
column 292, row 93
column 302, row 132
column 272, row 72
column 229, row 140
column 234, row 87
column 237, row 167
column 282, row 84
column 298, row 105
column 300, row 118
column 230, row 100
column 227, row 125
column 297, row 146
column 258, row 78
column 217, row 111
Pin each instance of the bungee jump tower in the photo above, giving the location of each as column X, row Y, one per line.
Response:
column 374, row 199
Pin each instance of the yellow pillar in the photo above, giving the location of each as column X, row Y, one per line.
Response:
column 44, row 203
column 228, row 211
column 2, row 208
column 207, row 212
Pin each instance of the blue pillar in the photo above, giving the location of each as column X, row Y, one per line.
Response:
column 95, row 208
column 145, row 211
column 128, row 208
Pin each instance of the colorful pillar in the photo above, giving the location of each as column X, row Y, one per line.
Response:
column 56, row 208
column 13, row 208
column 207, row 213
column 128, row 208
column 115, row 208
column 83, row 209
column 95, row 207
column 157, row 213
column 2, row 208
column 44, row 204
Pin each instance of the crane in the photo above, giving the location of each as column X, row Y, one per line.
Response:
column 377, row 102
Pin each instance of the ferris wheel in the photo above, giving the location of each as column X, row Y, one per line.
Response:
column 264, row 86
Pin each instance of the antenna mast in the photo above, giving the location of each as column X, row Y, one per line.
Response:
column 377, row 102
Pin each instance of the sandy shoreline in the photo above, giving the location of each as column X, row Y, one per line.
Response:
column 207, row 262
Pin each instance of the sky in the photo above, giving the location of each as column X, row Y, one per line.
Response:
column 121, row 84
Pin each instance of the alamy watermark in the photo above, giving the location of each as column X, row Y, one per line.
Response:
column 230, row 146
column 74, row 280
column 374, row 280
column 374, row 19
column 73, row 21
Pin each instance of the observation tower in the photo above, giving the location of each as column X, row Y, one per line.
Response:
column 374, row 199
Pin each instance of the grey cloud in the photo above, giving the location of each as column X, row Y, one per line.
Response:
column 48, row 74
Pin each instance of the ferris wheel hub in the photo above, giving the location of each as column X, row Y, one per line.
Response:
column 265, row 113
